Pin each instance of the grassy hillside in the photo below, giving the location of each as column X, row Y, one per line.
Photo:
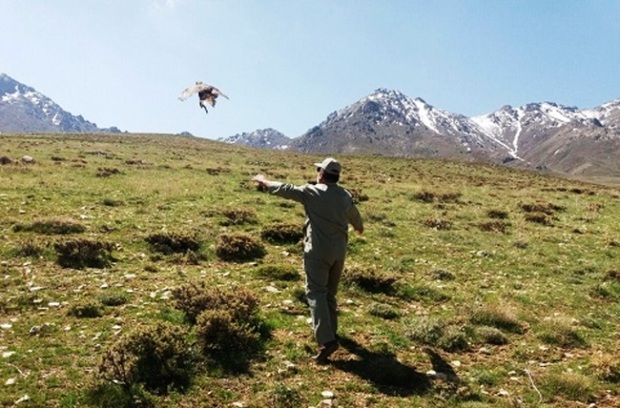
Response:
column 472, row 286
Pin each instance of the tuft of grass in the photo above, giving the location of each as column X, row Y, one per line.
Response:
column 573, row 386
column 560, row 332
column 498, row 316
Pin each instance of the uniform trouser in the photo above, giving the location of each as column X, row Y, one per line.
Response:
column 322, row 278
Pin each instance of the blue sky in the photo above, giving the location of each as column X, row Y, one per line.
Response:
column 287, row 64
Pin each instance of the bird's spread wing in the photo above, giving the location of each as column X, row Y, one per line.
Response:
column 218, row 92
column 192, row 90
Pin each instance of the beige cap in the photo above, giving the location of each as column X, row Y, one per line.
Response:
column 329, row 166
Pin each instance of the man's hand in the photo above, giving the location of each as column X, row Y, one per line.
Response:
column 263, row 183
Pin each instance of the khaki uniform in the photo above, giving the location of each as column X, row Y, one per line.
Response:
column 329, row 211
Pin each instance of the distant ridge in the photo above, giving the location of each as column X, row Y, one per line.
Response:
column 545, row 136
column 25, row 110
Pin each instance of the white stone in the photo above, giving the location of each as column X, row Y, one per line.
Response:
column 327, row 394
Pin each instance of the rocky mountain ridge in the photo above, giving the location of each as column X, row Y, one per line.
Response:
column 542, row 135
column 25, row 110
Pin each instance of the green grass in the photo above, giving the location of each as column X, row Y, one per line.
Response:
column 504, row 283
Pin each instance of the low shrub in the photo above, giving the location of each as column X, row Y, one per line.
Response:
column 286, row 397
column 83, row 253
column 239, row 248
column 53, row 226
column 239, row 216
column 283, row 233
column 113, row 299
column 497, row 214
column 383, row 311
column 85, row 310
column 539, row 218
column 434, row 332
column 437, row 224
column 157, row 357
column 106, row 172
column 169, row 243
column 228, row 340
column 194, row 298
column 283, row 272
column 490, row 335
column 369, row 280
column 493, row 226
column 541, row 207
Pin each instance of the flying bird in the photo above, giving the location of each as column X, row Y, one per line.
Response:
column 206, row 93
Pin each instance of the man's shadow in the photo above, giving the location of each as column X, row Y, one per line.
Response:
column 382, row 369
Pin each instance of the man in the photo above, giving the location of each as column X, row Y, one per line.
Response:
column 329, row 211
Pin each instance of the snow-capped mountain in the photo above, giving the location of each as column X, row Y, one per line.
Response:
column 24, row 110
column 263, row 138
column 389, row 122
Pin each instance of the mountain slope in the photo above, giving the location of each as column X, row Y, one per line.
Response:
column 25, row 110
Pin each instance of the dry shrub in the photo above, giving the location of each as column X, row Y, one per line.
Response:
column 169, row 243
column 433, row 331
column 29, row 250
column 493, row 226
column 283, row 233
column 228, row 327
column 357, row 195
column 452, row 197
column 539, row 218
column 424, row 196
column 113, row 299
column 239, row 248
column 442, row 275
column 228, row 341
column 607, row 367
column 84, row 253
column 239, row 216
column 107, row 172
column 159, row 358
column 437, row 224
column 369, row 280
column 52, row 226
column 497, row 214
column 613, row 275
column 85, row 310
column 541, row 207
column 195, row 298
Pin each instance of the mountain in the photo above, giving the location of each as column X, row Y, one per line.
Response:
column 544, row 136
column 24, row 110
column 263, row 138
